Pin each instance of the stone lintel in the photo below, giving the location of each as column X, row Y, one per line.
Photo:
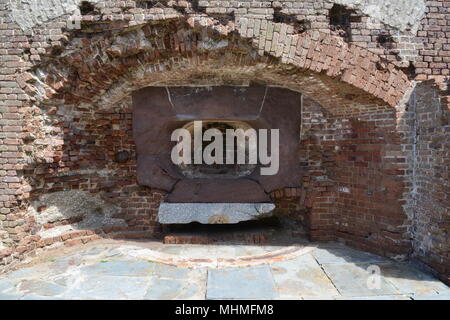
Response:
column 213, row 213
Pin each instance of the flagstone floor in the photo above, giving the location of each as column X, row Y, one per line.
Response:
column 151, row 270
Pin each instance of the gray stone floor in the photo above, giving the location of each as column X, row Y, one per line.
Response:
column 134, row 270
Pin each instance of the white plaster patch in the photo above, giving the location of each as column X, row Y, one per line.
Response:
column 344, row 189
column 3, row 237
column 401, row 14
column 29, row 13
column 210, row 44
column 55, row 232
column 104, row 173
column 63, row 205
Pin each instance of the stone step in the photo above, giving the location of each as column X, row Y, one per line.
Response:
column 212, row 213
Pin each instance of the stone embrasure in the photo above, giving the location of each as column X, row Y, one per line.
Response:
column 213, row 213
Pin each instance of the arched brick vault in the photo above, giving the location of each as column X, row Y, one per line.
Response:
column 94, row 78
column 347, row 79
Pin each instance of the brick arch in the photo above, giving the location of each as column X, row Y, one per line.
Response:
column 343, row 78
column 322, row 53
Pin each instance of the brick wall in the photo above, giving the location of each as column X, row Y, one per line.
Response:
column 431, row 196
column 86, row 160
column 357, row 178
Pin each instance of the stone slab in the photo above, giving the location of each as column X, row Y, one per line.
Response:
column 176, row 289
column 8, row 289
column 118, row 268
column 25, row 273
column 332, row 255
column 352, row 280
column 10, row 296
column 137, row 269
column 41, row 288
column 237, row 283
column 6, row 284
column 302, row 277
column 108, row 288
column 411, row 281
column 212, row 213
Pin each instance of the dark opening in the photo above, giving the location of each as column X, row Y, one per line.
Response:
column 340, row 16
column 299, row 26
column 385, row 40
column 271, row 230
column 196, row 7
column 341, row 19
column 86, row 8
column 410, row 70
column 224, row 170
column 56, row 51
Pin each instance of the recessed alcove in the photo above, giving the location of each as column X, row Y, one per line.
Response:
column 87, row 123
column 222, row 170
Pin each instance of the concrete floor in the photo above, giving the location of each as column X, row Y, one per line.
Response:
column 151, row 270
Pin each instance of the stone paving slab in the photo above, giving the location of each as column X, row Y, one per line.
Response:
column 302, row 277
column 119, row 268
column 212, row 213
column 409, row 280
column 8, row 289
column 351, row 280
column 26, row 273
column 332, row 255
column 41, row 288
column 170, row 289
column 6, row 284
column 108, row 287
column 241, row 283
